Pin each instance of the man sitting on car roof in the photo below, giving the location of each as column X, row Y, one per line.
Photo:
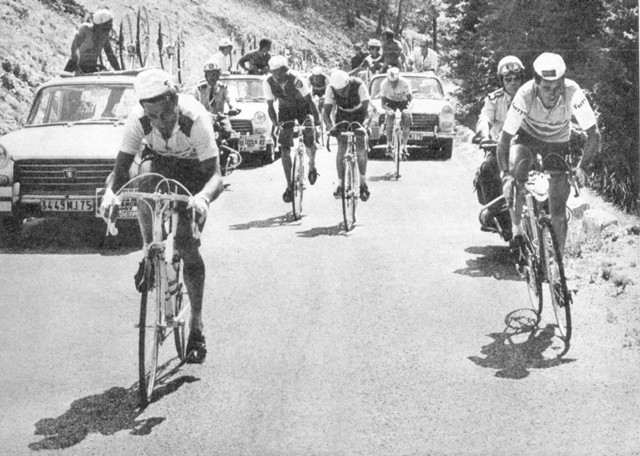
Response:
column 88, row 43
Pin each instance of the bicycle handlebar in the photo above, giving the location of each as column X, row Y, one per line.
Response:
column 348, row 132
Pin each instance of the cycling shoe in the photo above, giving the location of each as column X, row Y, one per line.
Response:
column 196, row 349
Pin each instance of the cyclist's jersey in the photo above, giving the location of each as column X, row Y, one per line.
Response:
column 319, row 83
column 258, row 62
column 400, row 92
column 192, row 137
column 549, row 125
column 352, row 100
column 290, row 94
column 423, row 62
column 391, row 52
column 494, row 111
column 213, row 98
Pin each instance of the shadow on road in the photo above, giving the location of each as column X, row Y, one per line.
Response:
column 386, row 177
column 513, row 353
column 492, row 261
column 71, row 236
column 334, row 230
column 117, row 409
column 267, row 223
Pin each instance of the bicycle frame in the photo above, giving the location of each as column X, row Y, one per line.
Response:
column 298, row 163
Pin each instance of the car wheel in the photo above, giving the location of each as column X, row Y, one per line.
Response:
column 269, row 154
column 444, row 149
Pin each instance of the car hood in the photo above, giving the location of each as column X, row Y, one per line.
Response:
column 419, row 105
column 250, row 108
column 70, row 141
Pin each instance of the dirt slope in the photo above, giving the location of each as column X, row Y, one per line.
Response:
column 35, row 37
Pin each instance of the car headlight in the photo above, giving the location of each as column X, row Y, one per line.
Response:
column 259, row 117
column 447, row 111
column 4, row 157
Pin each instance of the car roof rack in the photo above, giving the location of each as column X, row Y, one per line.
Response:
column 132, row 72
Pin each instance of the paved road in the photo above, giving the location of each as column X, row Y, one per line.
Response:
column 384, row 341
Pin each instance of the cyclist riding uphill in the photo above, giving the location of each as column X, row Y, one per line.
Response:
column 489, row 126
column 538, row 122
column 179, row 144
column 319, row 81
column 395, row 93
column 351, row 98
column 88, row 43
column 294, row 103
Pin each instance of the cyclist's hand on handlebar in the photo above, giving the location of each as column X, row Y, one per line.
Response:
column 201, row 204
column 109, row 200
column 580, row 177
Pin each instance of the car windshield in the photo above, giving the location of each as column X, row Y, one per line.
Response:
column 243, row 90
column 78, row 103
column 421, row 87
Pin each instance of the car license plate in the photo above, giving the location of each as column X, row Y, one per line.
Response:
column 67, row 205
column 128, row 206
column 417, row 136
column 251, row 144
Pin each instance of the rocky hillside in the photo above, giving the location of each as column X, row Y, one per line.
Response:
column 35, row 37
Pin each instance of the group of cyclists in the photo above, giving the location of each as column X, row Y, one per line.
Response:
column 176, row 136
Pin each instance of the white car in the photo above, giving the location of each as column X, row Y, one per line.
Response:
column 433, row 122
column 57, row 164
column 253, row 127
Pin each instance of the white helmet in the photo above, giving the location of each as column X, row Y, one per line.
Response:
column 317, row 70
column 393, row 74
column 339, row 79
column 509, row 64
column 549, row 66
column 101, row 16
column 374, row 43
column 152, row 83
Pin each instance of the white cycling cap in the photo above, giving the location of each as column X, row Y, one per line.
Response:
column 316, row 70
column 393, row 74
column 549, row 66
column 225, row 42
column 339, row 79
column 277, row 61
column 152, row 83
column 374, row 43
column 101, row 16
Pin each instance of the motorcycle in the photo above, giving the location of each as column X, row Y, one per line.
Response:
column 494, row 215
column 230, row 158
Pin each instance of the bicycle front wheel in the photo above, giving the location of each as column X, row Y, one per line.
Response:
column 560, row 297
column 397, row 151
column 149, row 329
column 297, row 184
column 349, row 193
column 533, row 266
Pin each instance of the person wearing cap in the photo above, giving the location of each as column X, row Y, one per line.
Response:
column 395, row 93
column 358, row 57
column 373, row 61
column 223, row 56
column 319, row 81
column 423, row 58
column 510, row 72
column 89, row 42
column 392, row 52
column 351, row 99
column 257, row 60
column 213, row 95
column 539, row 122
column 293, row 95
column 173, row 136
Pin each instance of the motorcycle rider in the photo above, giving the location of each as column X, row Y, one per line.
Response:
column 494, row 112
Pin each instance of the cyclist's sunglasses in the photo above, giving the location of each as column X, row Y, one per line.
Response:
column 510, row 68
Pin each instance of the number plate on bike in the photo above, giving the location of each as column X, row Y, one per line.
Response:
column 251, row 143
column 128, row 206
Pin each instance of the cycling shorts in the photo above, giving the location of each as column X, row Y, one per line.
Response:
column 287, row 135
column 401, row 105
column 552, row 153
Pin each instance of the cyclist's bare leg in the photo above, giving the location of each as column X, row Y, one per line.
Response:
column 406, row 126
column 286, row 163
column 361, row 151
column 342, row 147
column 559, row 190
column 519, row 165
column 194, row 273
column 310, row 147
column 388, row 127
column 145, row 219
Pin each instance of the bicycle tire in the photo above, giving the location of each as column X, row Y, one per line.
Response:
column 165, row 43
column 149, row 330
column 121, row 46
column 180, row 55
column 297, row 183
column 556, row 279
column 533, row 267
column 182, row 314
column 349, row 194
column 396, row 152
column 129, row 43
column 143, row 37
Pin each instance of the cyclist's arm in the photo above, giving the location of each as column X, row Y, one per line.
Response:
column 367, row 119
column 591, row 147
column 213, row 187
column 383, row 102
column 483, row 126
column 313, row 108
column 503, row 151
column 244, row 59
column 120, row 174
column 272, row 112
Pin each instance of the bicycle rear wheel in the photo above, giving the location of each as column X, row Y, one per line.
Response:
column 560, row 297
column 533, row 266
column 396, row 152
column 149, row 329
column 182, row 314
column 297, row 183
column 349, row 193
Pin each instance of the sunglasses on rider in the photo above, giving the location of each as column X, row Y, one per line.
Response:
column 510, row 67
column 511, row 78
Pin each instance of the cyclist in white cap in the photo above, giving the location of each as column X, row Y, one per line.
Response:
column 173, row 135
column 294, row 103
column 494, row 112
column 223, row 56
column 351, row 98
column 88, row 43
column 538, row 122
column 395, row 93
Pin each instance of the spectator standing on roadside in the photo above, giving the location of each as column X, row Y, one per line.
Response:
column 423, row 58
column 359, row 57
column 88, row 43
column 258, row 60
